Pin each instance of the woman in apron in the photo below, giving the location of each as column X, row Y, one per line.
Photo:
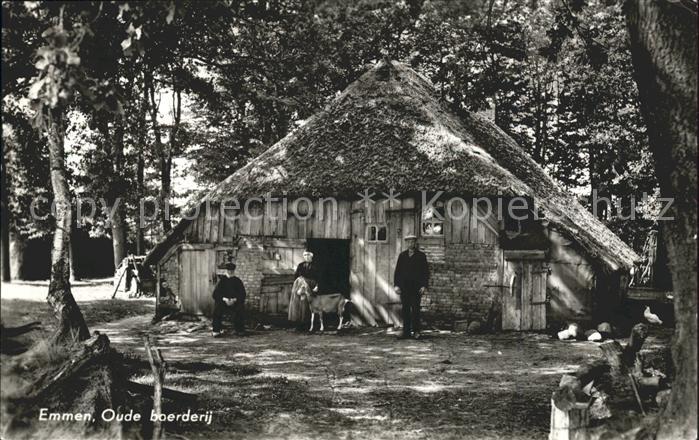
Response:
column 299, row 312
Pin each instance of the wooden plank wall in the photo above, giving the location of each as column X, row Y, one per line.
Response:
column 527, row 312
column 275, row 293
column 290, row 252
column 464, row 226
column 196, row 283
column 326, row 221
column 372, row 264
column 218, row 225
column 540, row 274
column 527, row 285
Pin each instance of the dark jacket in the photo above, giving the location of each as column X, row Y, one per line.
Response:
column 411, row 273
column 229, row 288
column 307, row 270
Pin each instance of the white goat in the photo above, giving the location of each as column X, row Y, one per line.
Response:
column 333, row 303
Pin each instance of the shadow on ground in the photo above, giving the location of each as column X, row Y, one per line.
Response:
column 361, row 383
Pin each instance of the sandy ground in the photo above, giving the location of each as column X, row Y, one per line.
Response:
column 25, row 302
column 361, row 383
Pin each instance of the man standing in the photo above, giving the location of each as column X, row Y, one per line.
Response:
column 229, row 297
column 410, row 282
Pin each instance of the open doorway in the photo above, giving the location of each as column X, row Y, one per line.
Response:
column 333, row 259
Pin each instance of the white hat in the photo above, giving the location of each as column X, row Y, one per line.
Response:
column 410, row 237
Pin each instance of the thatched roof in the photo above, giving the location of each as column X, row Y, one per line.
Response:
column 389, row 130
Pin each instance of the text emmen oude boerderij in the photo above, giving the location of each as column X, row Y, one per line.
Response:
column 110, row 415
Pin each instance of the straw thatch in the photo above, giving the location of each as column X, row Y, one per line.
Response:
column 389, row 130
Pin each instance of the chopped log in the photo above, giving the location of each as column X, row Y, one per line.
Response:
column 592, row 371
column 632, row 351
column 628, row 358
column 617, row 376
column 569, row 393
column 626, row 364
column 599, row 409
column 639, row 333
column 613, row 353
column 571, row 423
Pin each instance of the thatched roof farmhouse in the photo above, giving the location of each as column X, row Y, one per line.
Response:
column 389, row 130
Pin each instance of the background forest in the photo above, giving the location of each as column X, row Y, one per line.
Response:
column 162, row 99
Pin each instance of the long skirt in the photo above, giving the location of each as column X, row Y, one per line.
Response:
column 299, row 311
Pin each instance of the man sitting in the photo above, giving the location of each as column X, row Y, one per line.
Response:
column 229, row 297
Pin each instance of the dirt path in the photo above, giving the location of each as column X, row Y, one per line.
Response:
column 360, row 384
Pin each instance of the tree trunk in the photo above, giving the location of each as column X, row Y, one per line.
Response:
column 140, row 170
column 114, row 148
column 71, row 261
column 664, row 52
column 166, row 159
column 140, row 166
column 163, row 152
column 72, row 253
column 119, row 244
column 5, row 219
column 16, row 256
column 71, row 324
column 5, row 255
column 165, row 190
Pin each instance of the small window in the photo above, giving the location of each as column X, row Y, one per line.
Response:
column 433, row 222
column 377, row 233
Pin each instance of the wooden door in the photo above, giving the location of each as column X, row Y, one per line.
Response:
column 197, row 280
column 275, row 293
column 524, row 301
column 372, row 263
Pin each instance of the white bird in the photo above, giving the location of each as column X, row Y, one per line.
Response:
column 651, row 317
column 595, row 337
column 574, row 330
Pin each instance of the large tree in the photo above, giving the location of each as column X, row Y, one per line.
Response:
column 59, row 78
column 664, row 48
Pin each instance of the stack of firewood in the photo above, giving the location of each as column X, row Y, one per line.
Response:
column 596, row 388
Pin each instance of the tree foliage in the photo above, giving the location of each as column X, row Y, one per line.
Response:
column 556, row 75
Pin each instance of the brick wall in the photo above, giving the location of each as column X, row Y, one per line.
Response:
column 249, row 263
column 459, row 285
